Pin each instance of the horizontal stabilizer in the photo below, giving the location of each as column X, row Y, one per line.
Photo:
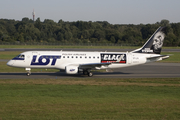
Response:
column 158, row 58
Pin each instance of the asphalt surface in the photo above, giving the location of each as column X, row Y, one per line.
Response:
column 150, row 70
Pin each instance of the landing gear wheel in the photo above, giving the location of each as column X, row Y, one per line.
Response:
column 90, row 74
column 85, row 72
column 28, row 74
column 28, row 71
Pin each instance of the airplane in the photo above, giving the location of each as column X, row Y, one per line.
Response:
column 75, row 62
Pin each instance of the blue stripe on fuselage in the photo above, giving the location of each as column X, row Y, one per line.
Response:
column 16, row 58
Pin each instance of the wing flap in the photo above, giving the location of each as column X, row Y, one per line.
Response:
column 93, row 65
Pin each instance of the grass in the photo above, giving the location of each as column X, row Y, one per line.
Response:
column 174, row 57
column 9, row 54
column 90, row 98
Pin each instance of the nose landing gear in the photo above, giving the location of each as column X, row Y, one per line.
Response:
column 28, row 71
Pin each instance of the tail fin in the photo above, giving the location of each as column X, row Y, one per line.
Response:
column 154, row 43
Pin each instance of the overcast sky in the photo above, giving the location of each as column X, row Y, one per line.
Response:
column 113, row 11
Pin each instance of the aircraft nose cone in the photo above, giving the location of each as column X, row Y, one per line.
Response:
column 10, row 63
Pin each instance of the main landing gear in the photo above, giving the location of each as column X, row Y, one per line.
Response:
column 89, row 73
column 28, row 71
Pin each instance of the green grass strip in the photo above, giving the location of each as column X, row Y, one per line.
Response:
column 33, row 99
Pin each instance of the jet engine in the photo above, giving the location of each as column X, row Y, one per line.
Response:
column 71, row 69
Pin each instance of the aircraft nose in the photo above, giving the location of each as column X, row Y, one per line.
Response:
column 10, row 63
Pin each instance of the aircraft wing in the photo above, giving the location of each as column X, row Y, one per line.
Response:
column 157, row 58
column 93, row 65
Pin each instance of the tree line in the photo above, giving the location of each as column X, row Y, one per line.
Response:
column 48, row 31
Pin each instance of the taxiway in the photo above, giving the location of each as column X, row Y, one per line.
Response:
column 151, row 70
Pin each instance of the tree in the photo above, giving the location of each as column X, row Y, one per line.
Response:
column 85, row 34
column 60, row 36
column 82, row 31
column 1, row 35
column 147, row 31
column 21, row 38
column 67, row 35
column 60, row 22
column 112, row 39
column 164, row 23
column 38, row 23
column 25, row 19
column 94, row 40
column 99, row 34
column 176, row 28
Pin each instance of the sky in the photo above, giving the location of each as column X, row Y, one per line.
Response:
column 112, row 11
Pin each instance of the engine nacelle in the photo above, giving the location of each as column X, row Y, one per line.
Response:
column 71, row 70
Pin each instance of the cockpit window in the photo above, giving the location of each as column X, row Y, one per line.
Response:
column 19, row 57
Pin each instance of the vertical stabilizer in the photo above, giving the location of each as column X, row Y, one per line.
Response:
column 154, row 43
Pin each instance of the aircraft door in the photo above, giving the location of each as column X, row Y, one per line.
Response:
column 129, row 58
column 27, row 58
column 34, row 54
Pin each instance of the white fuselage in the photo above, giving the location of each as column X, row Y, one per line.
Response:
column 61, row 59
